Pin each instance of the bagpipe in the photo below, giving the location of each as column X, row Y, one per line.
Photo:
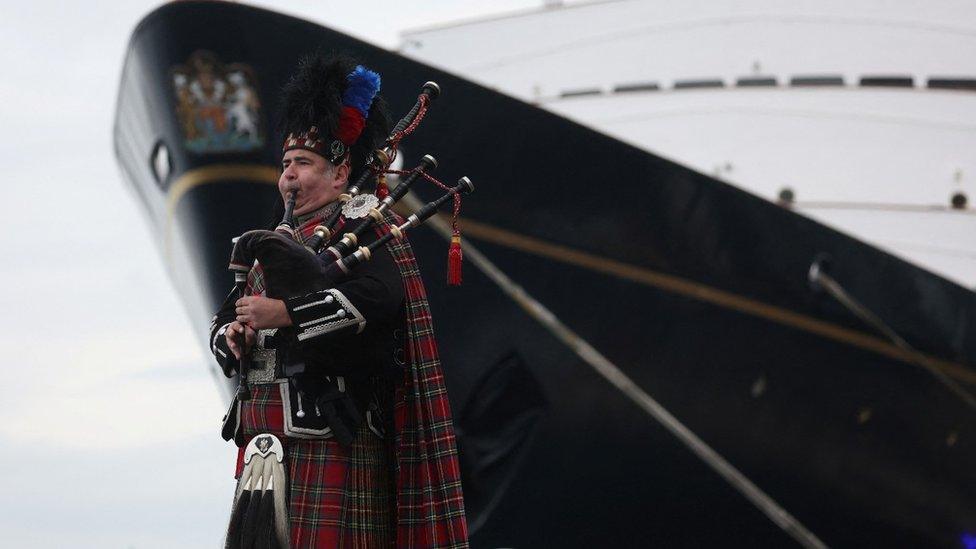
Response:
column 291, row 268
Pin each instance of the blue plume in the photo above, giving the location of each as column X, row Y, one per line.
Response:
column 363, row 84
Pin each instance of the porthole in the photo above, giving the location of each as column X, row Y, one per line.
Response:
column 161, row 163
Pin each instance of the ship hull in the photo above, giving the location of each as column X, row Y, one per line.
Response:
column 695, row 290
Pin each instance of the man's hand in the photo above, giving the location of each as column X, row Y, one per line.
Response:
column 233, row 335
column 260, row 313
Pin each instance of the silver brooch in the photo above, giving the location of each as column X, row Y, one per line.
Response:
column 338, row 148
column 359, row 206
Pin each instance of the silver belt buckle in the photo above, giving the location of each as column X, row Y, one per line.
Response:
column 263, row 361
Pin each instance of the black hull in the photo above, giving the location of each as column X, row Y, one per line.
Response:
column 696, row 290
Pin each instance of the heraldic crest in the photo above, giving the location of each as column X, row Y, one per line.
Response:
column 217, row 105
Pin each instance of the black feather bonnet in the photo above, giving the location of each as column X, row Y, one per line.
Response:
column 330, row 106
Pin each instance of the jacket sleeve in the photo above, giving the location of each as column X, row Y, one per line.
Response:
column 373, row 295
column 218, row 341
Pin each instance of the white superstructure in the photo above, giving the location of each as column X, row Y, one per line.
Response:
column 864, row 111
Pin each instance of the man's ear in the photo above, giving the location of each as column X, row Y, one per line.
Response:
column 342, row 172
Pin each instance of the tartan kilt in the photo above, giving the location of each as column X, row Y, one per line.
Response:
column 337, row 497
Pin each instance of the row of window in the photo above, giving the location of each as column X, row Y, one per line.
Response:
column 964, row 84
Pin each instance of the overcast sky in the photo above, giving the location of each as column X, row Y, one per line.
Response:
column 109, row 422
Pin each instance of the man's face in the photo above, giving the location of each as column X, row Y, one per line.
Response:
column 317, row 181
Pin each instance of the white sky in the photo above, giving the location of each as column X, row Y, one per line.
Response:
column 109, row 424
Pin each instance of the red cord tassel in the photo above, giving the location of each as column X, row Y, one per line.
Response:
column 382, row 190
column 454, row 262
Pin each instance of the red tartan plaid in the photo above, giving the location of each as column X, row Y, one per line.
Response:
column 430, row 506
column 429, row 502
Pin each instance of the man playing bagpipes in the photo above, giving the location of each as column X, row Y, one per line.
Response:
column 343, row 420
